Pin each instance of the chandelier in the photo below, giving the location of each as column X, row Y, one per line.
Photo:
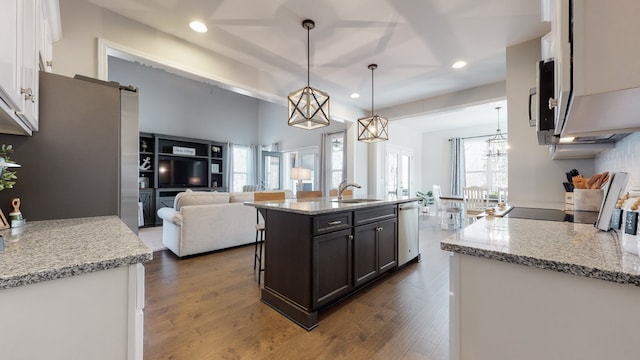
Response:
column 373, row 128
column 497, row 145
column 308, row 107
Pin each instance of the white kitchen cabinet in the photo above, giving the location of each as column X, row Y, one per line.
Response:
column 26, row 28
column 11, row 54
column 97, row 315
column 28, row 108
column 598, row 65
column 509, row 311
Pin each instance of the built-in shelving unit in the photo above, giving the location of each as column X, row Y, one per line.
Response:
column 171, row 164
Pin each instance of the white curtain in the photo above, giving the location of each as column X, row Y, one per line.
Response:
column 457, row 166
column 252, row 166
column 324, row 163
column 228, row 167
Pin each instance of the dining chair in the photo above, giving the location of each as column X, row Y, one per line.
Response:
column 450, row 211
column 302, row 194
column 260, row 226
column 334, row 192
column 475, row 202
column 503, row 194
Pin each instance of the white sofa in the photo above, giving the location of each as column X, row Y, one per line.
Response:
column 206, row 221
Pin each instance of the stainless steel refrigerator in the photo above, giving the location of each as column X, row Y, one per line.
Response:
column 84, row 159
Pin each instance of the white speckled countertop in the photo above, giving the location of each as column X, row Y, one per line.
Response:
column 578, row 249
column 52, row 249
column 315, row 206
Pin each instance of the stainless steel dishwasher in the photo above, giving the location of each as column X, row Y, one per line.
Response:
column 408, row 240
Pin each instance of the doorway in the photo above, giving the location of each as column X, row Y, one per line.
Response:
column 271, row 170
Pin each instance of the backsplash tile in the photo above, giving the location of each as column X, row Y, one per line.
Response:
column 623, row 157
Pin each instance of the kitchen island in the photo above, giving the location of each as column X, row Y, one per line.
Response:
column 72, row 289
column 318, row 251
column 531, row 289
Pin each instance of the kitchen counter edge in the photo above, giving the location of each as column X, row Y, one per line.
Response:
column 624, row 268
column 325, row 205
column 54, row 249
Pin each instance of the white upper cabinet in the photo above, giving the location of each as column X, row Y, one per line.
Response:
column 29, row 65
column 26, row 28
column 597, row 72
column 11, row 54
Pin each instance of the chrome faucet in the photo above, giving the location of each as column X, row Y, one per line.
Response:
column 343, row 186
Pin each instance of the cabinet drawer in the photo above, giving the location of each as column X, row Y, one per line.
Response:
column 375, row 214
column 331, row 222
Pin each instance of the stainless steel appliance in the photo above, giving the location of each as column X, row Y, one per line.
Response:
column 84, row 159
column 408, row 239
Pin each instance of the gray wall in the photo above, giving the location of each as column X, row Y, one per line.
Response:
column 273, row 128
column 174, row 105
column 623, row 157
column 437, row 155
column 534, row 179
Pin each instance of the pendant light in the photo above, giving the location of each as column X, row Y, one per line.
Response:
column 373, row 128
column 308, row 107
column 497, row 144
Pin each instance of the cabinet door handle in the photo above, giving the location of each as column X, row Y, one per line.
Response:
column 28, row 94
column 336, row 222
column 379, row 228
column 350, row 237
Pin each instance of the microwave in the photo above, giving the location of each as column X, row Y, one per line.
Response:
column 545, row 114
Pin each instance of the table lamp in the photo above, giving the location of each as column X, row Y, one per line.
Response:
column 298, row 173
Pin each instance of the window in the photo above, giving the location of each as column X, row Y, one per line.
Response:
column 241, row 167
column 398, row 172
column 482, row 170
column 336, row 155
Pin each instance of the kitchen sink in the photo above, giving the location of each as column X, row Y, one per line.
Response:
column 355, row 201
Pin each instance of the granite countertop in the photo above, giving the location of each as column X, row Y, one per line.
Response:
column 578, row 249
column 315, row 206
column 52, row 249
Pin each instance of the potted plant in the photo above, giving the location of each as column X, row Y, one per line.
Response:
column 426, row 199
column 7, row 178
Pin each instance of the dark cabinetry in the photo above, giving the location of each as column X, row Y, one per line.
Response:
column 170, row 164
column 332, row 258
column 147, row 199
column 146, row 161
column 375, row 242
column 217, row 165
column 374, row 250
column 311, row 261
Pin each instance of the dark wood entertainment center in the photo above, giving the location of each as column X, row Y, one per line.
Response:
column 163, row 176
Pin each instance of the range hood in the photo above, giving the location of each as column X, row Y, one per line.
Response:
column 596, row 71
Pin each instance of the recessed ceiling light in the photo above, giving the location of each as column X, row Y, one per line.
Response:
column 459, row 64
column 197, row 26
column 354, row 96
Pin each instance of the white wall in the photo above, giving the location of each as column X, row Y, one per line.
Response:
column 534, row 179
column 623, row 157
column 77, row 53
column 273, row 128
column 409, row 139
column 436, row 151
column 458, row 99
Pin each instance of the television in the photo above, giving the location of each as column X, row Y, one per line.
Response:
column 178, row 172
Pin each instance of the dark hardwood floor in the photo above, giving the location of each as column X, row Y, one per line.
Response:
column 208, row 307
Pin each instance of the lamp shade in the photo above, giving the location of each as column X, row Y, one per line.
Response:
column 373, row 128
column 308, row 108
column 298, row 173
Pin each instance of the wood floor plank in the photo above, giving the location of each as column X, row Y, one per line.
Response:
column 208, row 307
